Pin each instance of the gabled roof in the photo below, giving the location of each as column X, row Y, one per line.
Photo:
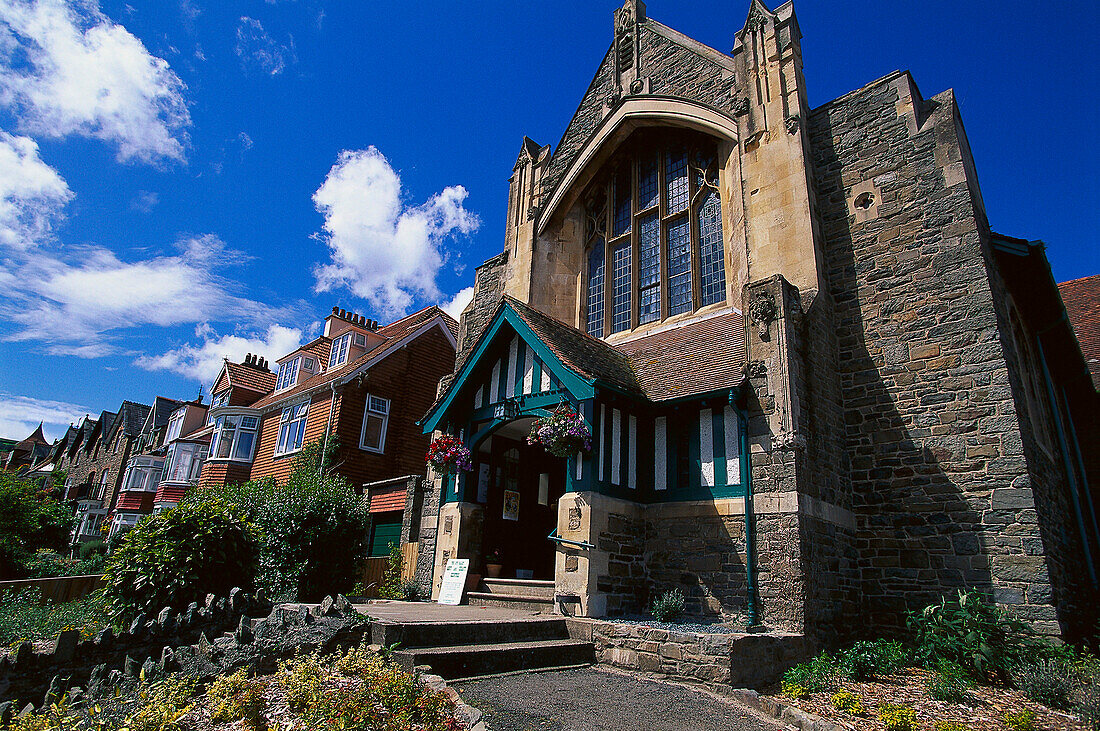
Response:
column 36, row 437
column 1081, row 298
column 249, row 377
column 131, row 417
column 395, row 334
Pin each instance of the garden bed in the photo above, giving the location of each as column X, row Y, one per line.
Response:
column 985, row 707
column 24, row 617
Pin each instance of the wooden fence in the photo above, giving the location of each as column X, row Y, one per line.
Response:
column 373, row 570
column 58, row 588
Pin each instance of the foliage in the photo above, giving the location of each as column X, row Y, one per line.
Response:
column 1020, row 721
column 91, row 549
column 135, row 706
column 30, row 518
column 948, row 683
column 24, row 616
column 815, row 675
column 391, row 577
column 411, row 591
column 868, row 659
column 562, row 434
column 313, row 530
column 669, row 606
column 1050, row 682
column 848, row 702
column 447, row 455
column 897, row 718
column 1087, row 701
column 238, row 697
column 793, row 690
column 180, row 555
column 950, row 726
column 970, row 632
column 303, row 680
column 46, row 563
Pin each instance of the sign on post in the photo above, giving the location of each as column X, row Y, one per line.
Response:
column 454, row 581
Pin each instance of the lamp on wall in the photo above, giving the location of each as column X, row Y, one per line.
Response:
column 508, row 410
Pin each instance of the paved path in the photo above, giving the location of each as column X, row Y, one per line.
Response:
column 589, row 699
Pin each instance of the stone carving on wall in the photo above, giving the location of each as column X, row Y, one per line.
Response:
column 792, row 124
column 624, row 36
column 789, row 441
column 762, row 311
column 756, row 369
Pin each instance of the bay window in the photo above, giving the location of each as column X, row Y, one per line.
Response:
column 292, row 428
column 653, row 233
column 234, row 437
column 184, row 462
column 376, row 417
column 144, row 474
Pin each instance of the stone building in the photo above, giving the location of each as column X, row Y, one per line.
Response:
column 821, row 390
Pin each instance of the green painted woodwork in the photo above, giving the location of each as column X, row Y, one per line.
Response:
column 385, row 532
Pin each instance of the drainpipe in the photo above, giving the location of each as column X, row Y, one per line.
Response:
column 328, row 427
column 750, row 519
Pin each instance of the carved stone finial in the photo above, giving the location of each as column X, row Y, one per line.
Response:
column 792, row 123
column 756, row 19
column 762, row 311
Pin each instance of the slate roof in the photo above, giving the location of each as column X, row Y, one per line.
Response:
column 36, row 437
column 1082, row 300
column 685, row 360
column 250, row 377
column 393, row 333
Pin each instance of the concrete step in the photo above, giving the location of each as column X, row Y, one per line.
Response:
column 443, row 634
column 466, row 661
column 520, row 587
column 531, row 602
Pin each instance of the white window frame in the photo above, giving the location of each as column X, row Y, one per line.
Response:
column 288, row 373
column 291, row 415
column 234, row 425
column 175, row 424
column 196, row 456
column 150, row 469
column 341, row 346
column 369, row 412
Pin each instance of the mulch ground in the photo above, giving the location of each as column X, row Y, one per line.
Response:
column 985, row 707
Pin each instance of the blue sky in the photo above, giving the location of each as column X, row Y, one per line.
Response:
column 183, row 179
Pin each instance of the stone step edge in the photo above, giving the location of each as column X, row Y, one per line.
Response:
column 520, row 582
column 505, row 674
column 493, row 647
column 538, row 598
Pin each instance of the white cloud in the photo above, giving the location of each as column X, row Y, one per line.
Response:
column 255, row 47
column 203, row 361
column 32, row 194
column 383, row 251
column 245, row 141
column 458, row 303
column 19, row 416
column 69, row 69
column 145, row 200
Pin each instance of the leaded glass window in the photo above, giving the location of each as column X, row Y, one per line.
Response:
column 653, row 223
column 620, row 273
column 595, row 289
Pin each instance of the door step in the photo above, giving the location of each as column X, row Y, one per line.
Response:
column 464, row 661
column 519, row 587
column 535, row 603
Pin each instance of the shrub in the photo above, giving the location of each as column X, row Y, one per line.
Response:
column 1050, row 682
column 237, row 697
column 314, row 530
column 969, row 632
column 669, row 606
column 950, row 726
column 24, row 616
column 30, row 518
column 303, row 680
column 1021, row 721
column 91, row 549
column 176, row 557
column 948, row 683
column 813, row 676
column 848, row 702
column 897, row 718
column 865, row 660
column 391, row 577
column 411, row 591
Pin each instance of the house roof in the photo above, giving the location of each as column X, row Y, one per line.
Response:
column 36, row 437
column 250, row 377
column 1082, row 301
column 393, row 333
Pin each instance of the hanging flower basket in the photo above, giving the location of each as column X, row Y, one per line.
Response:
column 448, row 455
column 561, row 434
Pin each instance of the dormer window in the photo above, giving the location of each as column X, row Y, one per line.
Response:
column 175, row 425
column 340, row 347
column 288, row 373
column 220, row 399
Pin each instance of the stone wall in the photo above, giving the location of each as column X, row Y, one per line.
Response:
column 488, row 288
column 931, row 427
column 626, row 583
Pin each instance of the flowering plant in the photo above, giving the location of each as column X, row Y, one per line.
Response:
column 562, row 433
column 448, row 455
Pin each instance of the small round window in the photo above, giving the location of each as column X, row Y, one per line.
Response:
column 865, row 201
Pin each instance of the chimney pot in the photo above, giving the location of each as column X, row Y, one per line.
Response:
column 334, row 309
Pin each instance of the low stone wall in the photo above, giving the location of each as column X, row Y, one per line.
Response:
column 719, row 660
column 57, row 588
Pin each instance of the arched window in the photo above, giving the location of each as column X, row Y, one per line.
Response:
column 653, row 234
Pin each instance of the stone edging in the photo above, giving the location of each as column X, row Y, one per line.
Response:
column 466, row 713
column 783, row 712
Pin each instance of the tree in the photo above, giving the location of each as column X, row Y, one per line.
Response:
column 31, row 517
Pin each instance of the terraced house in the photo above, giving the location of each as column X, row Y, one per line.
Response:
column 821, row 390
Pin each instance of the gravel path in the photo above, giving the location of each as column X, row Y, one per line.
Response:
column 597, row 700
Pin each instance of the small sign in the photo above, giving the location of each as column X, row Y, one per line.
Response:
column 454, row 581
column 511, row 505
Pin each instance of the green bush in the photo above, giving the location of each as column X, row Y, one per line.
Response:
column 391, row 577
column 897, row 718
column 813, row 676
column 950, row 726
column 669, row 606
column 178, row 556
column 1020, row 721
column 868, row 659
column 24, row 616
column 1050, row 682
column 1087, row 701
column 31, row 518
column 844, row 700
column 411, row 591
column 91, row 549
column 970, row 632
column 314, row 530
column 948, row 683
column 237, row 697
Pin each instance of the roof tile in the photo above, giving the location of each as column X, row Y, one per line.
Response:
column 1082, row 300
